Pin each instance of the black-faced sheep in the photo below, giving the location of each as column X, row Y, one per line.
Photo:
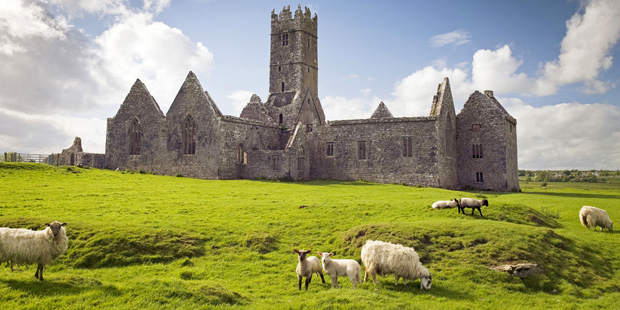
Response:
column 473, row 204
column 446, row 204
column 385, row 258
column 592, row 217
column 341, row 267
column 24, row 246
column 307, row 266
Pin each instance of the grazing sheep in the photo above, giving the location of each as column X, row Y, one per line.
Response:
column 473, row 204
column 341, row 267
column 24, row 246
column 591, row 217
column 445, row 204
column 385, row 258
column 307, row 266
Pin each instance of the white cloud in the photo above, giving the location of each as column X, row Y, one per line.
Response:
column 566, row 135
column 52, row 70
column 456, row 38
column 239, row 100
column 161, row 56
column 46, row 134
column 338, row 108
column 413, row 95
column 585, row 50
column 496, row 70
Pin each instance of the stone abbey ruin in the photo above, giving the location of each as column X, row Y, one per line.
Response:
column 288, row 136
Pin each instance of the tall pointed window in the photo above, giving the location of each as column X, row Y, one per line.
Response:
column 135, row 137
column 361, row 149
column 300, row 159
column 189, row 135
column 407, row 146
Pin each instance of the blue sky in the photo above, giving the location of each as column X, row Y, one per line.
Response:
column 68, row 64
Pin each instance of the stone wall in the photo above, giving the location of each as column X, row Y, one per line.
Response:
column 140, row 106
column 482, row 144
column 372, row 150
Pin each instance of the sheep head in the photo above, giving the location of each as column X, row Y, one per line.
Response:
column 55, row 227
column 426, row 282
column 325, row 256
column 301, row 254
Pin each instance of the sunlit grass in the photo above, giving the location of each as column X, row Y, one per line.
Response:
column 147, row 241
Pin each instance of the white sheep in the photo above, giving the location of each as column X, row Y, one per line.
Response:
column 385, row 258
column 473, row 204
column 24, row 246
column 591, row 217
column 446, row 204
column 307, row 266
column 341, row 267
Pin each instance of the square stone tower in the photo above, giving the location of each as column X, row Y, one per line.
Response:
column 293, row 69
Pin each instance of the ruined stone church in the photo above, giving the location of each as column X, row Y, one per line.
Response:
column 288, row 137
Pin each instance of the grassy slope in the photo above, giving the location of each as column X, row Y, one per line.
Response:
column 145, row 241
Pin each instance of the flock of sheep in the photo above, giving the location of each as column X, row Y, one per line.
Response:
column 378, row 257
column 589, row 216
column 23, row 246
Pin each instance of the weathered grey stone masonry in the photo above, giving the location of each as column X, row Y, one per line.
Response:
column 288, row 136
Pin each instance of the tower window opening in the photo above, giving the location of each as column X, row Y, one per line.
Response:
column 279, row 68
column 284, row 38
column 479, row 177
column 282, row 86
column 280, row 121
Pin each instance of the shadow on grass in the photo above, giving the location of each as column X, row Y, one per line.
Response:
column 575, row 195
column 72, row 285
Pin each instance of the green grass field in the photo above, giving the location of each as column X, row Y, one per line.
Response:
column 143, row 241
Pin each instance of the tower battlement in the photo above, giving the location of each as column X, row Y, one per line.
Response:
column 302, row 20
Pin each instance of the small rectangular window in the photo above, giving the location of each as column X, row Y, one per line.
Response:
column 407, row 146
column 476, row 127
column 330, row 149
column 276, row 163
column 309, row 128
column 479, row 177
column 361, row 150
column 284, row 39
column 476, row 150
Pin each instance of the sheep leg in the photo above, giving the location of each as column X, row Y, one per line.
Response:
column 365, row 276
column 353, row 281
column 480, row 211
column 321, row 274
column 308, row 279
column 472, row 210
column 299, row 279
column 374, row 278
column 39, row 273
column 335, row 281
column 396, row 283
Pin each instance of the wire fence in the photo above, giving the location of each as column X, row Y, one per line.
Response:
column 23, row 157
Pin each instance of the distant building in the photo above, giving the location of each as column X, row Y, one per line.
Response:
column 288, row 136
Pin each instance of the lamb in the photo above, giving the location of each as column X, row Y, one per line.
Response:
column 473, row 204
column 341, row 267
column 445, row 204
column 591, row 217
column 307, row 266
column 385, row 258
column 24, row 246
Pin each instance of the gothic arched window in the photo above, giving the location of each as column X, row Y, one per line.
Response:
column 300, row 159
column 189, row 135
column 135, row 137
